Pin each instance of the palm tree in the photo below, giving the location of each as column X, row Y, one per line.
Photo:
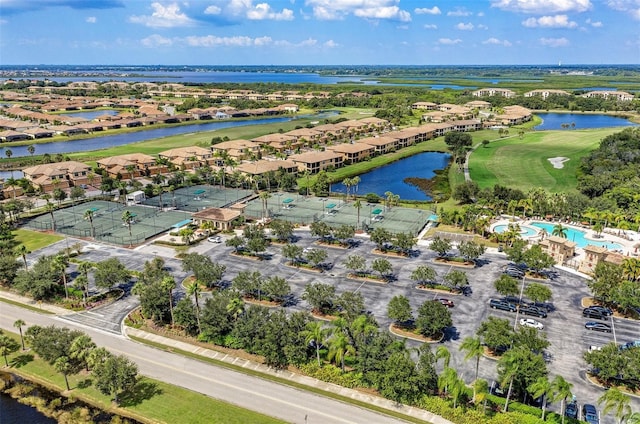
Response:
column 358, row 205
column 60, row 263
column 131, row 170
column 194, row 290
column 19, row 324
column 157, row 191
column 511, row 365
column 474, row 348
column 631, row 269
column 617, row 401
column 8, row 153
column 559, row 231
column 168, row 284
column 562, row 390
column 541, row 387
column 80, row 349
column 314, row 333
column 264, row 196
column 22, row 251
column 235, row 307
column 88, row 215
column 186, row 234
column 443, row 353
column 127, row 218
column 81, row 282
column 63, row 366
column 634, row 418
column 339, row 347
column 452, row 384
column 50, row 207
column 31, row 149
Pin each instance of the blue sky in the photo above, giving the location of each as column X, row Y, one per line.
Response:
column 319, row 32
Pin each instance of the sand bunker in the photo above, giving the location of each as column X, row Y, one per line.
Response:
column 558, row 162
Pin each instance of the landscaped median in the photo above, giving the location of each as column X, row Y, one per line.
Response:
column 362, row 399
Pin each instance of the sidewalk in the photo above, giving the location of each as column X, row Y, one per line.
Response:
column 33, row 303
column 296, row 378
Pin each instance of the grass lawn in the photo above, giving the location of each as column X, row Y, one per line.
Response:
column 168, row 404
column 35, row 240
column 523, row 163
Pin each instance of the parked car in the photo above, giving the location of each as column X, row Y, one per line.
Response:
column 604, row 310
column 597, row 326
column 215, row 239
column 528, row 322
column 571, row 410
column 590, row 414
column 514, row 272
column 307, row 250
column 446, row 302
column 533, row 311
column 594, row 313
column 503, row 305
column 629, row 345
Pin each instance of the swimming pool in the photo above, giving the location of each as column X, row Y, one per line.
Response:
column 524, row 230
column 578, row 236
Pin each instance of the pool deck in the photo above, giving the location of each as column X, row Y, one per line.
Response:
column 628, row 239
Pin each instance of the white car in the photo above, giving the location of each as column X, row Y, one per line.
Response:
column 528, row 322
column 215, row 239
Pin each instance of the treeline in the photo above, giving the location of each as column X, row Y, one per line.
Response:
column 611, row 173
column 71, row 352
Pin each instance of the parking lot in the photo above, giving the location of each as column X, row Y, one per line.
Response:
column 564, row 325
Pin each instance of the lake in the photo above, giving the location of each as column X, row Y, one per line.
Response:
column 106, row 141
column 554, row 121
column 391, row 177
column 15, row 412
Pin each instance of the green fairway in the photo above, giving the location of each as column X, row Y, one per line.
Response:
column 523, row 163
column 35, row 240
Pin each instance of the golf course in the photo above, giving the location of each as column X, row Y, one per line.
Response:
column 528, row 162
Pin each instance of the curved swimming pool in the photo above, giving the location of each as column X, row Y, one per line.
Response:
column 578, row 236
column 524, row 230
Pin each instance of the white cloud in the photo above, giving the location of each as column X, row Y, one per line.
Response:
column 212, row 10
column 481, row 14
column 435, row 10
column 481, row 26
column 263, row 11
column 557, row 21
column 554, row 42
column 449, row 41
column 430, row 26
column 91, row 20
column 459, row 12
column 330, row 44
column 3, row 21
column 595, row 24
column 156, row 40
column 632, row 7
column 465, row 27
column 367, row 9
column 163, row 17
column 542, row 6
column 215, row 41
column 497, row 42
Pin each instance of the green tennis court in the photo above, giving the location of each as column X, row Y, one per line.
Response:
column 102, row 220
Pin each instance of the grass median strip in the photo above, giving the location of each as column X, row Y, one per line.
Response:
column 152, row 401
column 279, row 380
column 24, row 305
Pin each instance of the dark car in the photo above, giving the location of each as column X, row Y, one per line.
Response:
column 571, row 410
column 446, row 302
column 533, row 311
column 594, row 313
column 604, row 310
column 597, row 326
column 503, row 305
column 590, row 414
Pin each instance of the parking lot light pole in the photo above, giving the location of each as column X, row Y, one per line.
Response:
column 613, row 329
column 515, row 324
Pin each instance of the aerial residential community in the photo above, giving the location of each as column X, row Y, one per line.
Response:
column 205, row 219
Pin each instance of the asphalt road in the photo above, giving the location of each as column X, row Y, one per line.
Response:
column 245, row 391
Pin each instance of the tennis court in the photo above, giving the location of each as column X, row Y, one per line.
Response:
column 196, row 198
column 335, row 212
column 106, row 221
